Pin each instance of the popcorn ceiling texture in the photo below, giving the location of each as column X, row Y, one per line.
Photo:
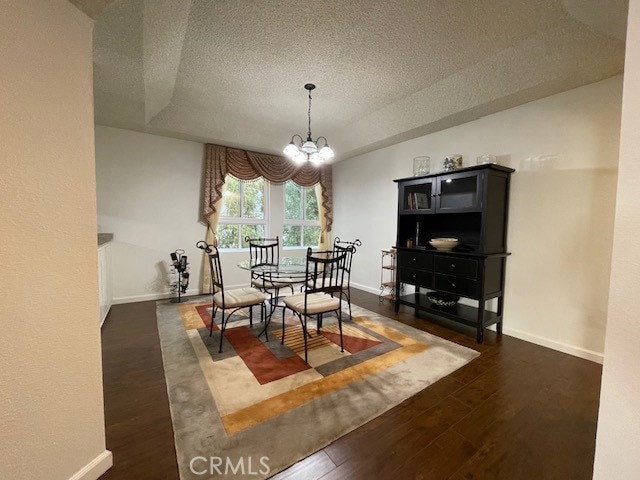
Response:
column 232, row 72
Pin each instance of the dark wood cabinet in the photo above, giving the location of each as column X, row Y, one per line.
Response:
column 470, row 204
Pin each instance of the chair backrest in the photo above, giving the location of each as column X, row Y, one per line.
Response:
column 348, row 248
column 214, row 265
column 325, row 271
column 264, row 251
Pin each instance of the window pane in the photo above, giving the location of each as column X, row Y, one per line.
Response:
column 292, row 201
column 227, row 236
column 311, row 236
column 231, row 198
column 291, row 235
column 253, row 193
column 311, row 206
column 251, row 231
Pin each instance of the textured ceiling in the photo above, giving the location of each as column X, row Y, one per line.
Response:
column 232, row 72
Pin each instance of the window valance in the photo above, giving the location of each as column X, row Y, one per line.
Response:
column 247, row 165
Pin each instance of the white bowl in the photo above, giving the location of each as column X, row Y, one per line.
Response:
column 444, row 244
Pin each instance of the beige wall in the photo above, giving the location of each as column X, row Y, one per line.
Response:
column 564, row 149
column 618, row 439
column 51, row 406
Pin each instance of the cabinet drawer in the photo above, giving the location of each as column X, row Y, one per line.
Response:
column 459, row 267
column 419, row 278
column 458, row 285
column 417, row 260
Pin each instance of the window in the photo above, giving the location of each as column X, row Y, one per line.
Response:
column 258, row 209
column 301, row 221
column 243, row 212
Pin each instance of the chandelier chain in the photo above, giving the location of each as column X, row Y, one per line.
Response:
column 309, row 115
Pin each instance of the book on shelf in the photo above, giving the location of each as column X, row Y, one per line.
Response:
column 418, row 201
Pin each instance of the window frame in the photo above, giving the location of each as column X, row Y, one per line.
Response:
column 303, row 222
column 223, row 220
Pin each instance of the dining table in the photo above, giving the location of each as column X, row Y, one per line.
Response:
column 288, row 270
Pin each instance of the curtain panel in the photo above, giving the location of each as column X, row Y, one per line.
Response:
column 246, row 165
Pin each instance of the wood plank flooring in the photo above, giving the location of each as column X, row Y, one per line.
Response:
column 519, row 411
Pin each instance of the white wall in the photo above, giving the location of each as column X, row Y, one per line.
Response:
column 148, row 190
column 564, row 149
column 618, row 438
column 51, row 406
column 149, row 197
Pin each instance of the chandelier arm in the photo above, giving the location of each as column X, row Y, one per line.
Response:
column 323, row 138
column 296, row 135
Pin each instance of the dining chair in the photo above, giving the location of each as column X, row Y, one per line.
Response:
column 349, row 249
column 266, row 252
column 234, row 299
column 341, row 247
column 322, row 295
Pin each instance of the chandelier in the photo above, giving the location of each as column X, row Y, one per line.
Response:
column 308, row 150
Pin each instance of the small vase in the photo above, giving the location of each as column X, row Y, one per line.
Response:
column 421, row 166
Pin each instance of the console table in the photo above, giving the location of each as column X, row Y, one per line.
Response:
column 470, row 204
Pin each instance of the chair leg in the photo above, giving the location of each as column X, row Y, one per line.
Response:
column 340, row 327
column 251, row 316
column 304, row 331
column 266, row 327
column 282, row 339
column 222, row 329
column 213, row 316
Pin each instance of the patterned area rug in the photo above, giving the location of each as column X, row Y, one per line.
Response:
column 257, row 408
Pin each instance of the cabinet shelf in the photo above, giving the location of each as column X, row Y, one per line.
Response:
column 460, row 313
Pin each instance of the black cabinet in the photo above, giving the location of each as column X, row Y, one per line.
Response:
column 470, row 204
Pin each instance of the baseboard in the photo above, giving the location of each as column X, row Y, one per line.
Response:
column 95, row 468
column 528, row 337
column 162, row 296
column 555, row 345
column 150, row 296
column 359, row 286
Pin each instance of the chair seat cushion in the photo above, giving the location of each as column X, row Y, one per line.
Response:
column 281, row 282
column 316, row 303
column 239, row 297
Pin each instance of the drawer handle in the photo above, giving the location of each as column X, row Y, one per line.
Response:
column 453, row 284
column 414, row 259
column 453, row 265
column 414, row 276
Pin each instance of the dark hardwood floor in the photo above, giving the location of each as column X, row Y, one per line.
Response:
column 518, row 411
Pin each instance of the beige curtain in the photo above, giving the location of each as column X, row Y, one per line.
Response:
column 211, row 239
column 324, row 242
column 246, row 165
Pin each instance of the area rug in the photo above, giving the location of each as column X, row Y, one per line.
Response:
column 257, row 407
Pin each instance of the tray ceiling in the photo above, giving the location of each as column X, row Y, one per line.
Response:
column 233, row 72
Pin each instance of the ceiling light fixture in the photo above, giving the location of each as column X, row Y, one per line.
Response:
column 307, row 150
